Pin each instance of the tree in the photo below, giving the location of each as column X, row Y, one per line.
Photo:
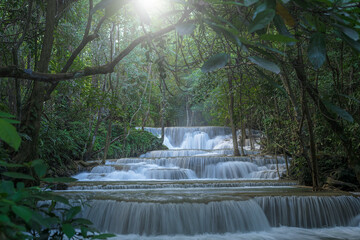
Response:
column 44, row 82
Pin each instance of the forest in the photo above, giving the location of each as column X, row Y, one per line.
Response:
column 79, row 81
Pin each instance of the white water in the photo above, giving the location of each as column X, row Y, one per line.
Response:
column 281, row 233
column 194, row 153
column 197, row 190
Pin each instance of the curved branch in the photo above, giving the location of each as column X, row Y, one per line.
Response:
column 15, row 72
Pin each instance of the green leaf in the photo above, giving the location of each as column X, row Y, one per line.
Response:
column 281, row 27
column 45, row 222
column 20, row 186
column 228, row 33
column 57, row 198
column 215, row 62
column 6, row 115
column 4, row 218
column 40, row 167
column 185, row 28
column 9, row 134
column 40, row 170
column 114, row 7
column 317, row 50
column 49, row 196
column 103, row 236
column 338, row 111
column 267, row 4
column 277, row 38
column 59, row 180
column 248, row 3
column 110, row 6
column 11, row 121
column 270, row 4
column 101, row 5
column 7, row 222
column 17, row 175
column 285, row 15
column 82, row 221
column 7, row 187
column 261, row 20
column 354, row 35
column 266, row 64
column 268, row 48
column 351, row 98
column 354, row 44
column 23, row 212
column 68, row 230
column 10, row 165
column 71, row 213
column 84, row 232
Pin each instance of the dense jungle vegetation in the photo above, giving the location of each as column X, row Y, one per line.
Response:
column 77, row 77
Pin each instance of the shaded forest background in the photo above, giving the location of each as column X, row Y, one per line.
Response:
column 289, row 69
column 77, row 77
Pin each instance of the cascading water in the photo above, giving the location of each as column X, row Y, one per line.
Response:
column 198, row 190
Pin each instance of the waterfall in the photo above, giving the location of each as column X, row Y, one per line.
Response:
column 171, row 184
column 172, row 218
column 229, row 170
column 152, row 218
column 310, row 212
column 192, row 137
column 198, row 190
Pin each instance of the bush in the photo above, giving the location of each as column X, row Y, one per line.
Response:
column 28, row 211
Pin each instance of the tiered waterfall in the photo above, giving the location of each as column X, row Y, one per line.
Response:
column 198, row 190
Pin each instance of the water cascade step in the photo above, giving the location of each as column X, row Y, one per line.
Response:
column 176, row 218
column 153, row 218
column 198, row 190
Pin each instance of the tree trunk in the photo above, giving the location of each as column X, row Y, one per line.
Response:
column 187, row 112
column 353, row 160
column 192, row 118
column 251, row 135
column 243, row 138
column 162, row 109
column 30, row 125
column 107, row 143
column 277, row 163
column 313, row 161
column 286, row 163
column 231, row 114
column 92, row 139
column 31, row 117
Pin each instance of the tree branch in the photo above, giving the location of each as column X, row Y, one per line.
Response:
column 86, row 39
column 15, row 72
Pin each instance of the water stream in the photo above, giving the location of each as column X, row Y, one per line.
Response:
column 198, row 190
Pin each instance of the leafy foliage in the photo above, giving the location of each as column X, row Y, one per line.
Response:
column 215, row 62
column 8, row 132
column 317, row 50
column 34, row 212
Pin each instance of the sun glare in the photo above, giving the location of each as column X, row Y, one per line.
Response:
column 152, row 6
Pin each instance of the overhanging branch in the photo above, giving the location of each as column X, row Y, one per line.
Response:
column 15, row 72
